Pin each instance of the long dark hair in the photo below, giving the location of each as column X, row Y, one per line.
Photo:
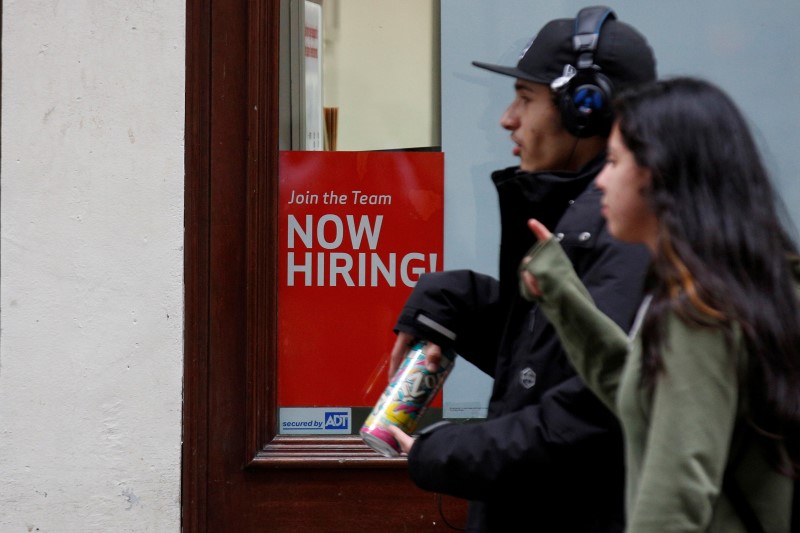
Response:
column 723, row 259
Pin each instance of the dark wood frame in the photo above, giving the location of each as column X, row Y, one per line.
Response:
column 265, row 448
column 196, row 268
column 237, row 474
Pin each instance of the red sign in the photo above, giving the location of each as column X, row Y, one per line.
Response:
column 357, row 229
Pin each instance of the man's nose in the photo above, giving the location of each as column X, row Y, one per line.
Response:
column 508, row 119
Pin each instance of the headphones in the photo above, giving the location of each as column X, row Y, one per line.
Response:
column 583, row 93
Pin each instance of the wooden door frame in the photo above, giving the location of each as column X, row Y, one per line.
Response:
column 265, row 448
column 236, row 472
column 196, row 267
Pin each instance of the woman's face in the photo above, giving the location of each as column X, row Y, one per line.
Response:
column 624, row 205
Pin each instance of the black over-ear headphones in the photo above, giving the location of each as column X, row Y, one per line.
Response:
column 585, row 100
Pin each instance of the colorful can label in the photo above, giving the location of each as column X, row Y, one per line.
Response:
column 405, row 400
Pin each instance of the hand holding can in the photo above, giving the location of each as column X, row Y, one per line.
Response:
column 405, row 399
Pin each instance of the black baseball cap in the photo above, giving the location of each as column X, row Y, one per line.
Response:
column 622, row 53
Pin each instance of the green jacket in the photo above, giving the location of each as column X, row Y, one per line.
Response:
column 678, row 436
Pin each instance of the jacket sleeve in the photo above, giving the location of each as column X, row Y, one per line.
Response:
column 547, row 446
column 456, row 309
column 568, row 435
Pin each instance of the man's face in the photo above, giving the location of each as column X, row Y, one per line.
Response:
column 535, row 126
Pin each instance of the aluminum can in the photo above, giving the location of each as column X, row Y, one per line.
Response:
column 405, row 399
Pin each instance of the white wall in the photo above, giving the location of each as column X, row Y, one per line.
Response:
column 91, row 295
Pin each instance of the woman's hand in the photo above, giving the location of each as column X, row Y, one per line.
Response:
column 542, row 233
column 539, row 229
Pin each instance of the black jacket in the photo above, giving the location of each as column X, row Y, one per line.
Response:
column 549, row 456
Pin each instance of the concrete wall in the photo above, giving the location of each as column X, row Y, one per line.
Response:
column 91, row 295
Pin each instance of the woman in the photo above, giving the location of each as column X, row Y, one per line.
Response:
column 707, row 383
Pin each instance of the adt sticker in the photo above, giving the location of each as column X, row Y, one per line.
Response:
column 315, row 421
column 337, row 420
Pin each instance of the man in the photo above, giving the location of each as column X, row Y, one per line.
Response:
column 549, row 456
